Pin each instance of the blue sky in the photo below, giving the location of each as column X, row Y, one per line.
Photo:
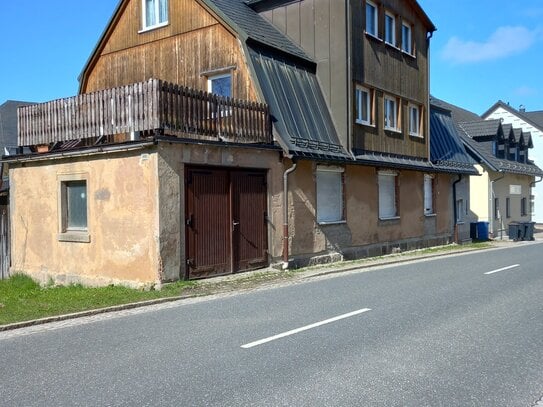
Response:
column 482, row 51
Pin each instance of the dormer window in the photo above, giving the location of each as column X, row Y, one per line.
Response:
column 371, row 19
column 154, row 13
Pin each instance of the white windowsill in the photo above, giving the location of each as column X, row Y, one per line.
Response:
column 389, row 44
column 373, row 36
column 416, row 135
column 409, row 54
column 430, row 215
column 368, row 124
column 153, row 27
column 393, row 130
column 391, row 218
column 335, row 222
column 74, row 236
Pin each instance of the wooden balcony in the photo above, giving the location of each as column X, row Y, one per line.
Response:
column 142, row 110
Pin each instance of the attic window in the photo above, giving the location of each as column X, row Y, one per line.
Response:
column 154, row 13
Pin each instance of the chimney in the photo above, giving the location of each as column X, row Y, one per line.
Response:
column 522, row 108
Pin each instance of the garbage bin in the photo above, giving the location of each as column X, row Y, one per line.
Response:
column 516, row 231
column 482, row 230
column 528, row 230
column 473, row 230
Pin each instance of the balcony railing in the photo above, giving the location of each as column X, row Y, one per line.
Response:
column 151, row 107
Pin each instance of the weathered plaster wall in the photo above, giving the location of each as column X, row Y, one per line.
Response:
column 363, row 234
column 122, row 220
column 173, row 158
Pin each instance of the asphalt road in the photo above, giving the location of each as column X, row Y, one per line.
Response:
column 465, row 330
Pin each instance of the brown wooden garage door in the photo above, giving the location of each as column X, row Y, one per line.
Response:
column 225, row 221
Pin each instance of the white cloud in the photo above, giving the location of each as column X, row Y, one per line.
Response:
column 505, row 41
column 525, row 91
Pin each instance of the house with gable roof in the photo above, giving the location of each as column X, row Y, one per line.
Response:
column 530, row 126
column 501, row 193
column 217, row 136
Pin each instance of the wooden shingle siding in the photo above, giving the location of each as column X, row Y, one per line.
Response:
column 181, row 52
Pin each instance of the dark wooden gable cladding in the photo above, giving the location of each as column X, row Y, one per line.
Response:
column 387, row 70
column 192, row 46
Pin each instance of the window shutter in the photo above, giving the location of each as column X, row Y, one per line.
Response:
column 387, row 196
column 329, row 196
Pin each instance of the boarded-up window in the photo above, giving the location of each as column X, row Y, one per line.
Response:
column 428, row 194
column 329, row 194
column 388, row 185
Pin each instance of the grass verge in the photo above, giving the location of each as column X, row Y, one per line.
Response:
column 22, row 299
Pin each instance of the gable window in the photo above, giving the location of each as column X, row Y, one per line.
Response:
column 388, row 194
column 364, row 103
column 390, row 29
column 414, row 121
column 329, row 194
column 407, row 39
column 154, row 13
column 428, row 194
column 73, row 209
column 391, row 113
column 220, row 84
column 371, row 19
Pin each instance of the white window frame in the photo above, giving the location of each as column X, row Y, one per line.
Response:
column 157, row 23
column 330, row 199
column 66, row 232
column 375, row 32
column 388, row 200
column 390, row 35
column 390, row 106
column 359, row 96
column 429, row 195
column 407, row 44
column 414, row 125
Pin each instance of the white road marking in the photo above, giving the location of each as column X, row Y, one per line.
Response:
column 502, row 269
column 304, row 328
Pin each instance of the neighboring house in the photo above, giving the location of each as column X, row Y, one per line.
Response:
column 311, row 145
column 502, row 192
column 528, row 122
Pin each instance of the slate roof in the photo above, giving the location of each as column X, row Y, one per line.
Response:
column 381, row 159
column 482, row 150
column 457, row 113
column 533, row 118
column 536, row 117
column 251, row 25
column 447, row 152
column 481, row 128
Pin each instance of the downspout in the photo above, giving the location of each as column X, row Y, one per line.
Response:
column 349, row 77
column 491, row 220
column 455, row 211
column 285, row 214
column 428, row 38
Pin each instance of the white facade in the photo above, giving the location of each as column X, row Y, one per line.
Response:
column 535, row 154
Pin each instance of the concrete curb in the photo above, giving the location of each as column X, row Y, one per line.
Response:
column 308, row 274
